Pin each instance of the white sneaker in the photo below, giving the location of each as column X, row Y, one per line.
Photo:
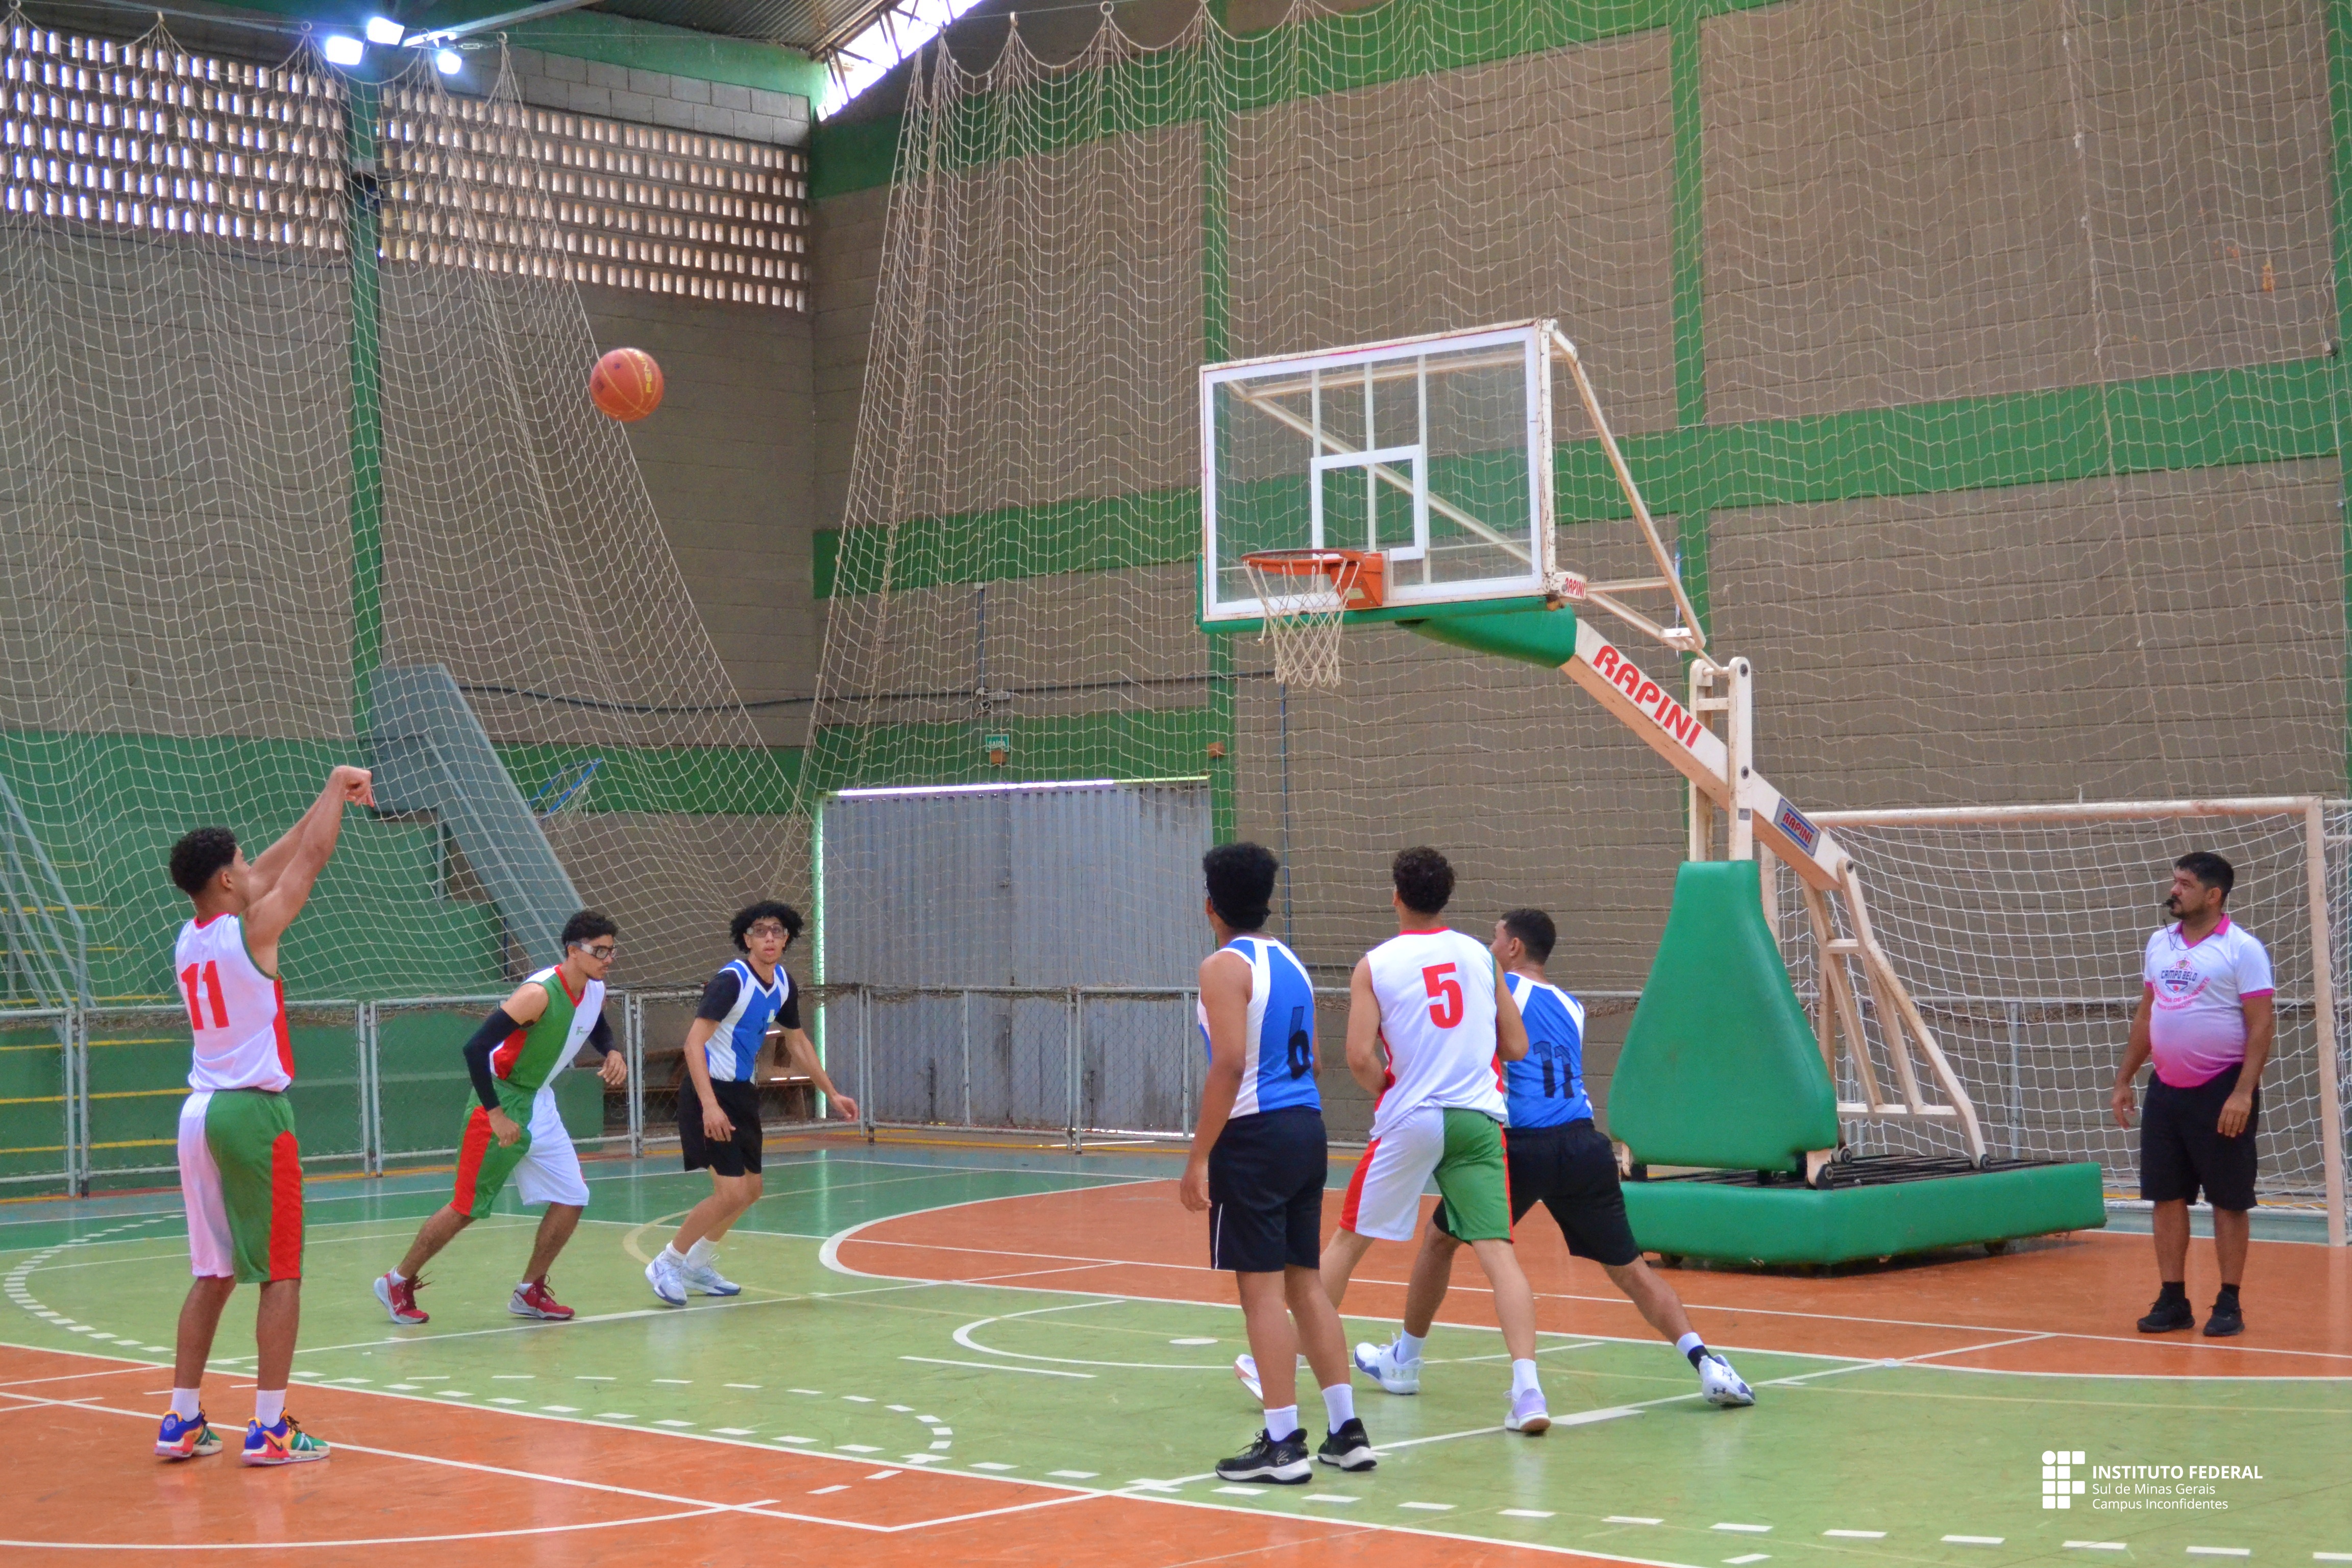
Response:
column 1383, row 1364
column 706, row 1278
column 1529, row 1413
column 1721, row 1384
column 662, row 1275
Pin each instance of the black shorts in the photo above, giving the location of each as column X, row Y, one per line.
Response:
column 1266, row 1192
column 1571, row 1171
column 2181, row 1148
column 737, row 1156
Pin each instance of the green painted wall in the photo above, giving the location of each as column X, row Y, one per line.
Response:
column 2295, row 411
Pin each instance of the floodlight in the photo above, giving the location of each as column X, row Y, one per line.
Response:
column 448, row 62
column 385, row 31
column 342, row 49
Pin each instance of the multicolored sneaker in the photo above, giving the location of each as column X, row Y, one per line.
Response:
column 191, row 1439
column 399, row 1298
column 1529, row 1414
column 706, row 1278
column 532, row 1298
column 284, row 1444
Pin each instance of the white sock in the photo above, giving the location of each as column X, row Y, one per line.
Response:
column 1408, row 1346
column 701, row 1253
column 1339, row 1405
column 670, row 1254
column 1688, row 1344
column 1523, row 1379
column 395, row 1276
column 268, row 1405
column 187, row 1404
column 1282, row 1422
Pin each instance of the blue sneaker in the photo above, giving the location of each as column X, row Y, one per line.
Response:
column 191, row 1439
column 284, row 1444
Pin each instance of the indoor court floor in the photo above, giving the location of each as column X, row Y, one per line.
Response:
column 975, row 1352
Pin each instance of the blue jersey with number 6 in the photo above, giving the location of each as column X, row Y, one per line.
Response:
column 1547, row 1085
column 1278, row 1041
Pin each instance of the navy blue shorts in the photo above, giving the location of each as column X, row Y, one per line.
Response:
column 1266, row 1192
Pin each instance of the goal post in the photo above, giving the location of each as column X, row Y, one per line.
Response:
column 2020, row 930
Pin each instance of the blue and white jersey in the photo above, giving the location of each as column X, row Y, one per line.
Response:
column 742, row 1009
column 1278, row 1044
column 1547, row 1085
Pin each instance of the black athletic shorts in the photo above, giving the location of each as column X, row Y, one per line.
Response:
column 2181, row 1148
column 1266, row 1192
column 1571, row 1171
column 737, row 1156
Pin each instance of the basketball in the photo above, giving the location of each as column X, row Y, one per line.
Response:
column 627, row 384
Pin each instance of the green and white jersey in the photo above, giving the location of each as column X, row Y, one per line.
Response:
column 528, row 1057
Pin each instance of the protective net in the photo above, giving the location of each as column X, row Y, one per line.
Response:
column 1974, row 356
column 2021, row 942
column 270, row 508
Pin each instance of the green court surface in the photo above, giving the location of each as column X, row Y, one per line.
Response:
column 1850, row 1458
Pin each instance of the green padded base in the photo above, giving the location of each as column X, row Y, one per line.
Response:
column 1797, row 1225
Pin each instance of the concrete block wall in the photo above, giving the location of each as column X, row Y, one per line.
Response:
column 657, row 97
column 728, row 458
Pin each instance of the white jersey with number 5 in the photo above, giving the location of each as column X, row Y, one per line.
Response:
column 238, row 1013
column 1437, row 991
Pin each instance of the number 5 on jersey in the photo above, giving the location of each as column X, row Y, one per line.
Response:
column 1444, row 995
column 210, row 973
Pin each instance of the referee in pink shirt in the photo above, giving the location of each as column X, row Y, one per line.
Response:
column 2206, row 1014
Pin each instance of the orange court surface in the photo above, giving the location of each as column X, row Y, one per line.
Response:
column 1003, row 1355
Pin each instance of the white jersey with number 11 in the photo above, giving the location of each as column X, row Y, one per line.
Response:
column 236, row 1011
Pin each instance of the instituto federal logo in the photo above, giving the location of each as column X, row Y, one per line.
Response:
column 2059, row 1486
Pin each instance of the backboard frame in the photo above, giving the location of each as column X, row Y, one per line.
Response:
column 1540, row 583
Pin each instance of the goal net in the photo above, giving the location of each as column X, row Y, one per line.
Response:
column 2019, row 934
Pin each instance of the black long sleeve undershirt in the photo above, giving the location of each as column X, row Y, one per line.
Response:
column 494, row 1030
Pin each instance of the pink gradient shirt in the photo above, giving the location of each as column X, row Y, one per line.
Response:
column 2198, row 1026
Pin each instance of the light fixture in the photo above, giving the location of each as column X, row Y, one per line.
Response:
column 385, row 31
column 342, row 49
column 448, row 62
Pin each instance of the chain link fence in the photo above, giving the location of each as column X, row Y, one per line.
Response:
column 90, row 1097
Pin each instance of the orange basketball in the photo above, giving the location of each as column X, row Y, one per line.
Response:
column 627, row 384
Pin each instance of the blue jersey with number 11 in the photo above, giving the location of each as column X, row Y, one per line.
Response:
column 1547, row 1085
column 1278, row 1042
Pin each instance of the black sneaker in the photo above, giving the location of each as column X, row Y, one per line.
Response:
column 1282, row 1461
column 2168, row 1315
column 2224, row 1319
column 1350, row 1447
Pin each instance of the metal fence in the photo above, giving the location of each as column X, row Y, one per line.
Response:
column 90, row 1097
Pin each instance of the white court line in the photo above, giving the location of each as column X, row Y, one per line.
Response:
column 297, row 1546
column 830, row 1256
column 697, row 1506
column 997, row 1366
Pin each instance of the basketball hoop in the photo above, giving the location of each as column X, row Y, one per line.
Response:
column 1304, row 596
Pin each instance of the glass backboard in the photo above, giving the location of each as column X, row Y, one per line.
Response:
column 1435, row 451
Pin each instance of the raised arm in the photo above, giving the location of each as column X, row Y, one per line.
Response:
column 279, row 882
column 1365, row 1064
column 1510, row 1029
column 1225, row 998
